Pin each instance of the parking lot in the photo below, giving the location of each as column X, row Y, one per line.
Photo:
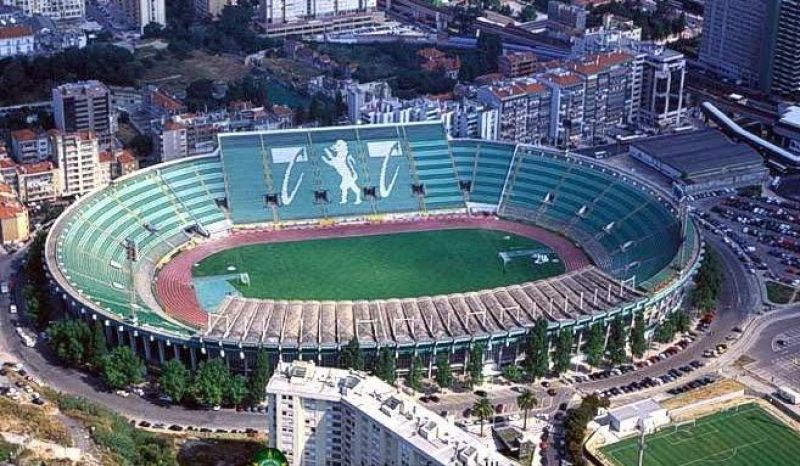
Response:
column 763, row 231
column 782, row 366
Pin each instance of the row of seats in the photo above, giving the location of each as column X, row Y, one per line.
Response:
column 337, row 172
column 131, row 216
column 639, row 232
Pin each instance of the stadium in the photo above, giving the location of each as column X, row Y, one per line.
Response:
column 298, row 241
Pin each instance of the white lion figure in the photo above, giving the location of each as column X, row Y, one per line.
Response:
column 339, row 158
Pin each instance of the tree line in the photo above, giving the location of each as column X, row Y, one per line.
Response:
column 77, row 344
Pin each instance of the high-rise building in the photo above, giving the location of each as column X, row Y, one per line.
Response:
column 320, row 416
column 661, row 104
column 735, row 39
column 57, row 10
column 144, row 12
column 77, row 156
column 607, row 82
column 523, row 110
column 784, row 56
column 754, row 42
column 84, row 106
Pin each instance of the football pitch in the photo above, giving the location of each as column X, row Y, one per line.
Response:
column 748, row 436
column 397, row 265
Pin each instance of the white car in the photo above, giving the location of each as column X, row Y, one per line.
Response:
column 12, row 308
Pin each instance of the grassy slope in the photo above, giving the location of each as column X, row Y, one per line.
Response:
column 382, row 266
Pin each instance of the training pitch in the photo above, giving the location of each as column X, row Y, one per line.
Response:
column 748, row 436
column 397, row 265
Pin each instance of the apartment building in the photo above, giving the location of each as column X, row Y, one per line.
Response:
column 292, row 11
column 116, row 163
column 77, row 156
column 784, row 55
column 143, row 12
column 29, row 146
column 657, row 78
column 14, row 225
column 320, row 416
column 84, row 106
column 16, row 40
column 661, row 104
column 57, row 10
column 523, row 110
column 607, row 86
column 211, row 8
column 170, row 141
column 567, row 108
column 517, row 64
column 35, row 182
column 735, row 39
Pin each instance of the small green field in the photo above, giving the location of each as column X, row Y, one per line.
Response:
column 381, row 266
column 748, row 436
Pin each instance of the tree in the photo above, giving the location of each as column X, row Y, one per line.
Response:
column 414, row 379
column 444, row 373
column 536, row 358
column 616, row 342
column 594, row 344
column 638, row 343
column 563, row 351
column 97, row 346
column 527, row 14
column 387, row 370
column 513, row 373
column 483, row 410
column 210, row 382
column 122, row 368
column 236, row 390
column 69, row 339
column 475, row 366
column 141, row 145
column 257, row 383
column 351, row 356
column 526, row 401
column 174, row 380
column 491, row 47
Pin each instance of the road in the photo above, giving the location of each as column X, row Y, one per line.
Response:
column 740, row 298
column 43, row 367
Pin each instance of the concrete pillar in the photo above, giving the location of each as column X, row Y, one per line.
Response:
column 177, row 352
column 430, row 363
column 132, row 342
column 147, row 342
column 608, row 333
column 193, row 358
column 161, row 351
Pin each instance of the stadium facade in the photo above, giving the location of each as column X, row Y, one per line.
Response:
column 105, row 254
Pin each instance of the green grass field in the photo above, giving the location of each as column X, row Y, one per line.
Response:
column 747, row 437
column 382, row 266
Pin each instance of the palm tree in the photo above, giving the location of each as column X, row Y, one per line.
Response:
column 483, row 410
column 526, row 401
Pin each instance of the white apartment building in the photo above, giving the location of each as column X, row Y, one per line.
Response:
column 143, row 12
column 77, row 156
column 57, row 10
column 16, row 40
column 288, row 11
column 320, row 416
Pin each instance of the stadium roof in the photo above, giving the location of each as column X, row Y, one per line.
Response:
column 699, row 153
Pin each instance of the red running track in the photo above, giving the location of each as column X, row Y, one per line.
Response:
column 175, row 291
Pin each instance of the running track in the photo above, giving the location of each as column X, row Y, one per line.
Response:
column 175, row 291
